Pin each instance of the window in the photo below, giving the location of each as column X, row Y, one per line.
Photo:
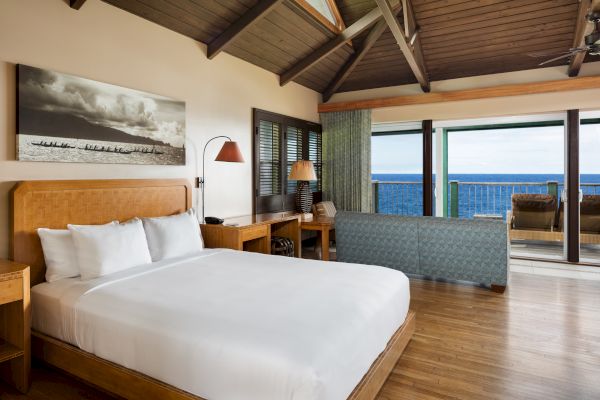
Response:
column 279, row 141
column 324, row 11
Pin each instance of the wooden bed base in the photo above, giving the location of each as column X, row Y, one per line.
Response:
column 54, row 204
column 133, row 385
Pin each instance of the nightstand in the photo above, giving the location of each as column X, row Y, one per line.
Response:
column 15, row 319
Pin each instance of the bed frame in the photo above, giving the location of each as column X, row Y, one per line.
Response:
column 54, row 204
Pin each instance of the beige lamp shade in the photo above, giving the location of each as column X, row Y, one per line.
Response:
column 303, row 171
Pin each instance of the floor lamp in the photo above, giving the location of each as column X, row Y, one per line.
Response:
column 230, row 152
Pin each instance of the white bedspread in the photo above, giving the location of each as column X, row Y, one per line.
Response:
column 230, row 325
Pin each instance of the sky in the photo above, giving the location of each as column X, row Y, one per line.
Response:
column 509, row 151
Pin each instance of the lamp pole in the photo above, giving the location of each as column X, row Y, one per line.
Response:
column 202, row 177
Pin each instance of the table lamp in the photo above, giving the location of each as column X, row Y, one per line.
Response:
column 230, row 152
column 303, row 171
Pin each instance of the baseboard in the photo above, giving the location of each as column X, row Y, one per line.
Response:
column 550, row 268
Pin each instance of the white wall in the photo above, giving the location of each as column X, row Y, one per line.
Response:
column 502, row 106
column 107, row 44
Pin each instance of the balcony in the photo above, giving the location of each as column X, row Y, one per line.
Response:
column 483, row 200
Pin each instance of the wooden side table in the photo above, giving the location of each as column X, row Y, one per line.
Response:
column 15, row 320
column 322, row 225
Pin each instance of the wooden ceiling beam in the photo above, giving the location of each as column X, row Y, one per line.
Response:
column 251, row 17
column 413, row 54
column 582, row 29
column 76, row 4
column 565, row 85
column 319, row 54
column 374, row 34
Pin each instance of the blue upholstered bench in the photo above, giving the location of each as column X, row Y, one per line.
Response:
column 435, row 248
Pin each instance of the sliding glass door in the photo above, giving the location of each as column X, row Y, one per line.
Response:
column 589, row 208
column 397, row 172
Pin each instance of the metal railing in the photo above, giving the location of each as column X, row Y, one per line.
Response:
column 465, row 199
column 404, row 198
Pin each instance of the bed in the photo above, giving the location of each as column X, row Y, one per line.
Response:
column 184, row 329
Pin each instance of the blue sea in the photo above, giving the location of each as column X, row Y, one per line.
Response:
column 473, row 198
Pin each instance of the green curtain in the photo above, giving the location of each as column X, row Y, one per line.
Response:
column 347, row 159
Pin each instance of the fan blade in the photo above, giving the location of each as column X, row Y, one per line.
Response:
column 539, row 54
column 560, row 57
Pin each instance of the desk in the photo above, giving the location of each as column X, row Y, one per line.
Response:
column 322, row 225
column 253, row 232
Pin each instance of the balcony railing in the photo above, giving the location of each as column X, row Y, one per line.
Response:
column 465, row 199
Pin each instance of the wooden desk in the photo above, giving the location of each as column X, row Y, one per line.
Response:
column 253, row 232
column 15, row 339
column 322, row 225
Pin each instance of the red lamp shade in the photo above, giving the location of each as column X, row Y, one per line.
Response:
column 230, row 152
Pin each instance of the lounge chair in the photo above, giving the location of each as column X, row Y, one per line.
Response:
column 589, row 224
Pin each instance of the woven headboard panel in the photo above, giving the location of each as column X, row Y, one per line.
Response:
column 54, row 204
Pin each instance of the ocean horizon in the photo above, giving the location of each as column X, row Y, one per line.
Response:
column 407, row 199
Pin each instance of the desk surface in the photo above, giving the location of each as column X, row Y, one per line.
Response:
column 260, row 219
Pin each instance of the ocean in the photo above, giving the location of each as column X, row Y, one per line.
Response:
column 475, row 194
column 30, row 148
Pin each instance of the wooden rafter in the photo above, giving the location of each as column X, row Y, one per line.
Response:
column 316, row 56
column 76, row 4
column 412, row 53
column 374, row 34
column 519, row 89
column 251, row 17
column 582, row 29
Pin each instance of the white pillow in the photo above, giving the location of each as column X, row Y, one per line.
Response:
column 59, row 253
column 103, row 250
column 173, row 236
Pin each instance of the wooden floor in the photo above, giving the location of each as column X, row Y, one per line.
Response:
column 539, row 340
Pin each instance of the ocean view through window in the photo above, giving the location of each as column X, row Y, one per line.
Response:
column 485, row 167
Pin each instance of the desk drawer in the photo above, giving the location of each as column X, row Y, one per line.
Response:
column 254, row 232
column 11, row 290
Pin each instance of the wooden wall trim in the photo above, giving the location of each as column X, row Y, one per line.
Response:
column 564, row 85
column 572, row 187
column 428, row 168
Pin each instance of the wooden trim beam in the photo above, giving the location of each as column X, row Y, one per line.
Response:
column 413, row 57
column 572, row 211
column 428, row 168
column 374, row 34
column 316, row 56
column 76, row 4
column 581, row 29
column 519, row 89
column 251, row 17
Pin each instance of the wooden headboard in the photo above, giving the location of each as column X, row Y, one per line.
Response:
column 54, row 204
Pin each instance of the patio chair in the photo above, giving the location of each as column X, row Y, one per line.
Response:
column 589, row 224
column 533, row 212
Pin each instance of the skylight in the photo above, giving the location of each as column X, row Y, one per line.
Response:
column 322, row 6
column 325, row 11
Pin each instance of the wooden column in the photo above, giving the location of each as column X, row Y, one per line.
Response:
column 572, row 186
column 428, row 167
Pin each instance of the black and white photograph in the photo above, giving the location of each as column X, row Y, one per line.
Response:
column 65, row 118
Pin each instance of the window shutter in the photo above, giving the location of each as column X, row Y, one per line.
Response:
column 269, row 141
column 294, row 153
column 315, row 155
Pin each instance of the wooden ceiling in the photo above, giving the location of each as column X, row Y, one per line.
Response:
column 455, row 38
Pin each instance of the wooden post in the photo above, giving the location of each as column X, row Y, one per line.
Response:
column 375, row 196
column 552, row 188
column 427, row 168
column 572, row 186
column 454, row 199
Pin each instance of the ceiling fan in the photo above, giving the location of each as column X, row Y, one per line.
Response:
column 592, row 41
